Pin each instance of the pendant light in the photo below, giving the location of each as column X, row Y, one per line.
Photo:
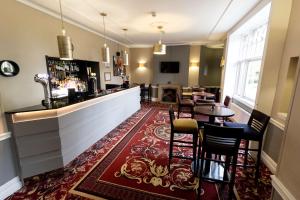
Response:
column 105, row 48
column 159, row 48
column 65, row 46
column 125, row 54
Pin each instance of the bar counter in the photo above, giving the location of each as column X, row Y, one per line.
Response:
column 49, row 138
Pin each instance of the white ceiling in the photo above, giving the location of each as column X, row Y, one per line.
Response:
column 184, row 21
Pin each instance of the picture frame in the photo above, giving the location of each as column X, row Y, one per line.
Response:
column 119, row 69
column 107, row 76
column 9, row 68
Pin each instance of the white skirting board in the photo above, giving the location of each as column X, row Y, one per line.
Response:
column 10, row 187
column 269, row 162
column 4, row 136
column 281, row 189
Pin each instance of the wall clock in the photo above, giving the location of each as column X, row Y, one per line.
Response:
column 9, row 68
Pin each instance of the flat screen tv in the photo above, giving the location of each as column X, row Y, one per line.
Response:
column 169, row 67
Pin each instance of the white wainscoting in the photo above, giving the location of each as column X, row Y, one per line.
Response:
column 281, row 189
column 10, row 187
column 277, row 124
column 242, row 116
column 269, row 162
column 4, row 136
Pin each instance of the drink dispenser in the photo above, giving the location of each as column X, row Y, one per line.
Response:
column 92, row 82
column 43, row 79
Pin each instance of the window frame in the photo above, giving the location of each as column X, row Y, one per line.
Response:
column 244, row 60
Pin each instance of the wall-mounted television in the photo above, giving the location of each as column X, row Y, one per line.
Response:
column 169, row 67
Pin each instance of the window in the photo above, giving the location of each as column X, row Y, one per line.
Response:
column 251, row 45
column 244, row 58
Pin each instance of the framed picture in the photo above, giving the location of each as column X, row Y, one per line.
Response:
column 107, row 76
column 119, row 69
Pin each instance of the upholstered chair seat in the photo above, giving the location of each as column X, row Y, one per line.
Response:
column 185, row 125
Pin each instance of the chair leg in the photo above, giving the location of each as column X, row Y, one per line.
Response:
column 227, row 165
column 258, row 161
column 246, row 153
column 232, row 178
column 179, row 110
column 198, row 155
column 195, row 141
column 171, row 148
column 200, row 174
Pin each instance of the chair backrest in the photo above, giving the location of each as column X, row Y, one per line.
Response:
column 258, row 121
column 227, row 101
column 221, row 140
column 172, row 116
column 150, row 90
column 205, row 101
column 178, row 98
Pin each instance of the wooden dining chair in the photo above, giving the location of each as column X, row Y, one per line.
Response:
column 252, row 131
column 183, row 126
column 223, row 141
column 227, row 100
column 184, row 103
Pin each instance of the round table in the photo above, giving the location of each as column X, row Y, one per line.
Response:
column 213, row 111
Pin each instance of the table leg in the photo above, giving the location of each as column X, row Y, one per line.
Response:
column 211, row 119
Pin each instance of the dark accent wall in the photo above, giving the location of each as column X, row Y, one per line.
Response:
column 7, row 161
column 174, row 53
column 210, row 70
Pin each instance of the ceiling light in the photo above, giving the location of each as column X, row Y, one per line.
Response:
column 65, row 46
column 159, row 48
column 125, row 54
column 105, row 48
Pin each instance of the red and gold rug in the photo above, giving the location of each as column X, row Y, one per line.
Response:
column 57, row 183
column 137, row 167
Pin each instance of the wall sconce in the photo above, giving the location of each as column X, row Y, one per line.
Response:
column 141, row 64
column 194, row 64
column 222, row 63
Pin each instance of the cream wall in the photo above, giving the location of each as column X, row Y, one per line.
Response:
column 271, row 69
column 26, row 36
column 194, row 70
column 274, row 47
column 288, row 166
column 141, row 74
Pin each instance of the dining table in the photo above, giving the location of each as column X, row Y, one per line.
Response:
column 213, row 111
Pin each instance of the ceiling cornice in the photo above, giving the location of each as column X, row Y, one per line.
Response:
column 96, row 32
column 70, row 21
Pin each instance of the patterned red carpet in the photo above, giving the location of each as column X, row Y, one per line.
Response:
column 137, row 168
column 130, row 163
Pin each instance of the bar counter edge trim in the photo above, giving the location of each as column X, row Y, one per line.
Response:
column 53, row 113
